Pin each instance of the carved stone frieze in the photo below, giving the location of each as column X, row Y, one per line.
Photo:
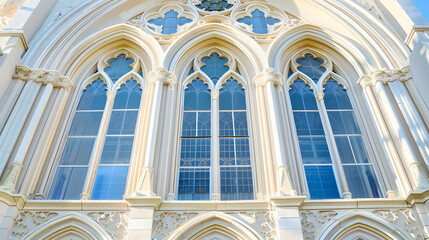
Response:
column 262, row 222
column 313, row 220
column 385, row 76
column 162, row 75
column 164, row 223
column 42, row 76
column 268, row 75
column 402, row 219
column 115, row 223
column 27, row 221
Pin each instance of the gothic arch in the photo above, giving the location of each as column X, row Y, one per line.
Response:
column 73, row 224
column 215, row 224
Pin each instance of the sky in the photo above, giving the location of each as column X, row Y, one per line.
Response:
column 423, row 6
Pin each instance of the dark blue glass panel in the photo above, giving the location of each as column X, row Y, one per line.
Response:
column 110, row 183
column 336, row 96
column 204, row 124
column 226, row 151
column 314, row 150
column 85, row 124
column 240, row 123
column 128, row 96
column 232, row 96
column 226, row 127
column 194, row 184
column 77, row 151
column 117, row 150
column 358, row 149
column 214, row 5
column 259, row 22
column 214, row 66
column 68, row 183
column 94, row 97
column 321, row 182
column 189, row 124
column 242, row 151
column 236, row 183
column 308, row 123
column 301, row 96
column 343, row 122
column 362, row 181
column 344, row 149
column 122, row 122
column 170, row 22
column 311, row 67
column 118, row 67
column 197, row 96
column 195, row 152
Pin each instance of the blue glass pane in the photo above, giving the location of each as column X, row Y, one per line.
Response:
column 194, row 184
column 314, row 150
column 85, row 124
column 232, row 96
column 358, row 149
column 214, row 66
column 94, row 97
column 170, row 22
column 214, row 5
column 343, row 122
column 259, row 22
column 117, row 150
column 308, row 123
column 195, row 152
column 301, row 96
column 226, row 151
column 189, row 124
column 362, row 181
column 77, row 151
column 321, row 182
column 311, row 67
column 68, row 183
column 197, row 96
column 110, row 183
column 236, row 183
column 122, row 122
column 118, row 67
column 128, row 96
column 344, row 149
column 242, row 151
column 226, row 127
column 204, row 124
column 336, row 96
column 240, row 123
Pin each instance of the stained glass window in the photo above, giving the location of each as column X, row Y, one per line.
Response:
column 311, row 66
column 259, row 22
column 214, row 5
column 170, row 22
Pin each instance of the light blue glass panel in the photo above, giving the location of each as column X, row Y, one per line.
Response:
column 68, row 183
column 242, row 151
column 308, row 123
column 343, row 122
column 195, row 152
column 214, row 5
column 117, row 150
column 236, row 183
column 311, row 67
column 226, row 127
column 226, row 151
column 362, row 181
column 314, row 150
column 128, row 96
column 94, row 96
column 197, row 96
column 240, row 123
column 170, row 22
column 77, row 151
column 110, row 183
column 214, row 66
column 336, row 96
column 85, row 124
column 122, row 122
column 301, row 96
column 232, row 96
column 358, row 149
column 194, row 184
column 204, row 124
column 119, row 66
column 344, row 149
column 321, row 182
column 189, row 128
column 259, row 22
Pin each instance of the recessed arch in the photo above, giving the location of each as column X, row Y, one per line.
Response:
column 215, row 223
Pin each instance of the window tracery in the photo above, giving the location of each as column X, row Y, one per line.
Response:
column 100, row 139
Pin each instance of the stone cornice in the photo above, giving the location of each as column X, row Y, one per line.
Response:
column 385, row 76
column 43, row 76
column 268, row 75
column 162, row 75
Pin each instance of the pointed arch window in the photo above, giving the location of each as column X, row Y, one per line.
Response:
column 98, row 147
column 215, row 156
column 333, row 153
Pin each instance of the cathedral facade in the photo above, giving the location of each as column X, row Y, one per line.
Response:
column 214, row 119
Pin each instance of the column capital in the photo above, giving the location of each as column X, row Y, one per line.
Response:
column 385, row 76
column 43, row 76
column 162, row 75
column 268, row 75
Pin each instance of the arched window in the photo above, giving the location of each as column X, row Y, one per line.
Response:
column 215, row 138
column 99, row 143
column 329, row 138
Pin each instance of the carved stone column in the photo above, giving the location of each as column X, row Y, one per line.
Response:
column 35, row 79
column 266, row 83
column 157, row 80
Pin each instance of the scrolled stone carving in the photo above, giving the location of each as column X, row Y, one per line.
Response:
column 165, row 223
column 385, row 76
column 27, row 221
column 402, row 219
column 262, row 222
column 162, row 75
column 312, row 220
column 115, row 223
column 43, row 76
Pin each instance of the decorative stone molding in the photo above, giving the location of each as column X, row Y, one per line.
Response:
column 268, row 75
column 162, row 75
column 313, row 220
column 11, row 179
column 25, row 73
column 115, row 223
column 27, row 221
column 262, row 222
column 385, row 76
column 165, row 223
column 145, row 187
column 402, row 219
column 320, row 95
